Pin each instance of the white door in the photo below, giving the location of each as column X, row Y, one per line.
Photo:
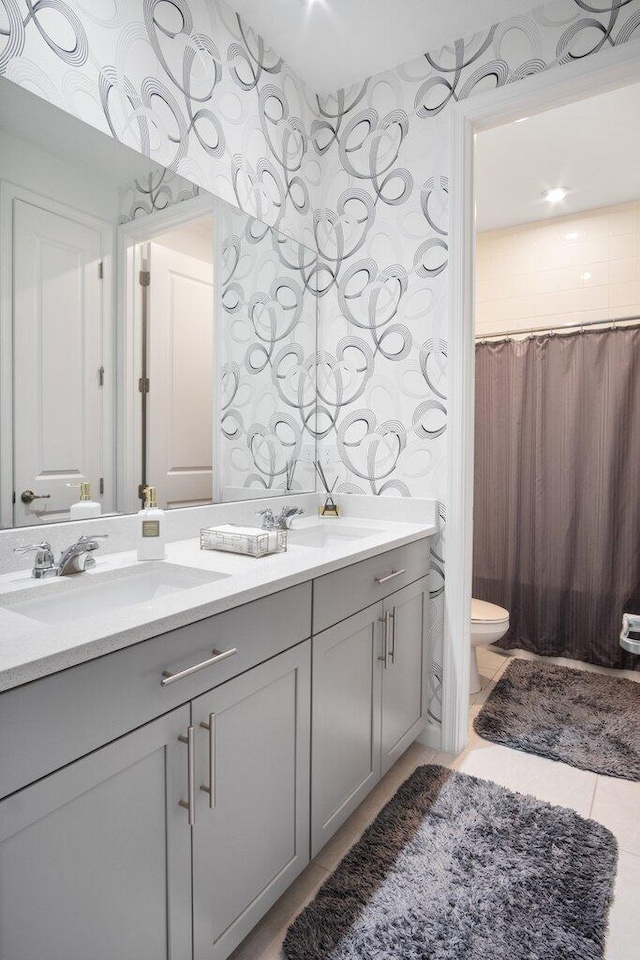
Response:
column 57, row 330
column 180, row 372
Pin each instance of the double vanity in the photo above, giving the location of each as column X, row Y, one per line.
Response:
column 179, row 738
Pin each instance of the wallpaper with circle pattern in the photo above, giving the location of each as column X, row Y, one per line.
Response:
column 363, row 176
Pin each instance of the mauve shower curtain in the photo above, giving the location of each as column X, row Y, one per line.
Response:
column 557, row 490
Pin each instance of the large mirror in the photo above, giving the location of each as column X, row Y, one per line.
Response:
column 150, row 333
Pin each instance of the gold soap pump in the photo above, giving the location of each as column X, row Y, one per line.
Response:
column 151, row 532
column 85, row 506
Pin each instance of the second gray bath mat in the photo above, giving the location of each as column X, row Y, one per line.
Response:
column 585, row 719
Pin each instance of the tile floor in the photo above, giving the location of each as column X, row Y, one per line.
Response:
column 613, row 802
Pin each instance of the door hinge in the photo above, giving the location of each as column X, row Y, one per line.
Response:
column 101, row 376
column 101, row 270
column 143, row 384
column 14, row 497
column 145, row 278
column 101, row 485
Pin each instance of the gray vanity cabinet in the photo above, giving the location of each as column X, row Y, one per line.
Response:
column 251, row 831
column 346, row 720
column 369, row 702
column 95, row 859
column 404, row 673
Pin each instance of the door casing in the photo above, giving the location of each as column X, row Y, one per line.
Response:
column 598, row 73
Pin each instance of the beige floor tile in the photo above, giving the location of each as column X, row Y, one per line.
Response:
column 264, row 941
column 623, row 940
column 488, row 684
column 616, row 804
column 526, row 773
column 490, row 661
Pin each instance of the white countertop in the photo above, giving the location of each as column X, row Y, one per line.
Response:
column 30, row 649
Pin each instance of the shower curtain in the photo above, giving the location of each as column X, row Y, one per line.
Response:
column 557, row 490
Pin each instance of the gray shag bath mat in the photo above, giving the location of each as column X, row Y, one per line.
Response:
column 454, row 867
column 584, row 719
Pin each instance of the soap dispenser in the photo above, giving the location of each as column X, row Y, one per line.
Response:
column 151, row 532
column 85, row 507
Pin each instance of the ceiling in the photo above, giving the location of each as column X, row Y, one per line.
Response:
column 591, row 146
column 334, row 43
column 27, row 117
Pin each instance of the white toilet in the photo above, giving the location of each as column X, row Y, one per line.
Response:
column 488, row 623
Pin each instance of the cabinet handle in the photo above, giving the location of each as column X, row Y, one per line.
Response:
column 211, row 789
column 392, row 652
column 385, row 640
column 396, row 573
column 189, row 803
column 217, row 657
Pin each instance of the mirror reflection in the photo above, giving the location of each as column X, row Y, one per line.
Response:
column 151, row 333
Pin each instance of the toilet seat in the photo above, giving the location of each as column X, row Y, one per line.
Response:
column 484, row 612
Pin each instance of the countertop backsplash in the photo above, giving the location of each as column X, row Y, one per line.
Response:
column 186, row 523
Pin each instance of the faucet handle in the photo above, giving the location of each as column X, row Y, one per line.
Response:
column 43, row 547
column 269, row 521
column 44, row 563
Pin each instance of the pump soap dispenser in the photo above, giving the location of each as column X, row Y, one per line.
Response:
column 85, row 507
column 151, row 533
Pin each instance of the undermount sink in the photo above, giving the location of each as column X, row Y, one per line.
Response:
column 96, row 594
column 331, row 535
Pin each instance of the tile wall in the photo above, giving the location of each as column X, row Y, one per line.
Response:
column 571, row 269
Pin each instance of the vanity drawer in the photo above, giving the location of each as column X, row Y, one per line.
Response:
column 50, row 722
column 338, row 595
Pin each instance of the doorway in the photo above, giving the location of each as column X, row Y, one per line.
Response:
column 611, row 69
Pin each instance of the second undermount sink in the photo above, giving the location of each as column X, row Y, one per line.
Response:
column 97, row 594
column 331, row 533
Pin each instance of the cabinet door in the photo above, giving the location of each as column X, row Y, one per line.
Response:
column 346, row 720
column 404, row 677
column 95, row 859
column 251, row 832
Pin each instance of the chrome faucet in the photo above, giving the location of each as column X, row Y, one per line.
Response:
column 282, row 521
column 74, row 559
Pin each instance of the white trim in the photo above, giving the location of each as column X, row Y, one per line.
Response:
column 604, row 71
column 129, row 235
column 8, row 193
column 218, row 354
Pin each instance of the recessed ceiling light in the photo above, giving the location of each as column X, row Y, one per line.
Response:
column 572, row 236
column 586, row 275
column 555, row 194
column 521, row 119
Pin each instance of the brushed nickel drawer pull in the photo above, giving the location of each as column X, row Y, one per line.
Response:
column 392, row 653
column 218, row 657
column 396, row 573
column 189, row 803
column 211, row 789
column 385, row 640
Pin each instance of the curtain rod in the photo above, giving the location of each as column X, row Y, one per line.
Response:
column 613, row 323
